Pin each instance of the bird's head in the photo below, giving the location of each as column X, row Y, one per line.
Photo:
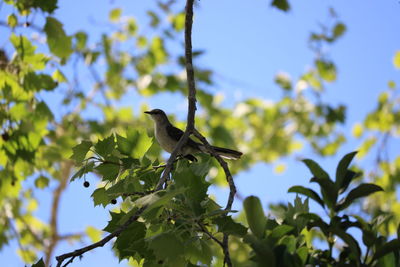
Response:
column 158, row 115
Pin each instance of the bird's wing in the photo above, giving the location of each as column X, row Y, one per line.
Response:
column 176, row 134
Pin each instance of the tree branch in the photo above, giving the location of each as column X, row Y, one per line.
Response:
column 232, row 190
column 191, row 94
column 100, row 243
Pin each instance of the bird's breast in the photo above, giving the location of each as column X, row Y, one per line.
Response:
column 167, row 143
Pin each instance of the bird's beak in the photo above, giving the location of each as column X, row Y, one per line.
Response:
column 148, row 112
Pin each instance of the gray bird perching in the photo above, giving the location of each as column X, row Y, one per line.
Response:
column 168, row 136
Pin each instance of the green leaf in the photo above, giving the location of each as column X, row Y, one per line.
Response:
column 348, row 177
column 349, row 240
column 45, row 5
column 136, row 144
column 131, row 241
column 326, row 69
column 115, row 221
column 88, row 167
column 22, row 45
column 281, row 230
column 80, row 151
column 105, row 147
column 255, row 216
column 302, row 252
column 307, row 192
column 166, row 246
column 157, row 199
column 12, row 20
column 108, row 170
column 93, row 233
column 342, row 167
column 396, row 60
column 115, row 14
column 100, row 197
column 228, row 226
column 339, row 30
column 37, row 82
column 315, row 169
column 391, row 246
column 281, row 4
column 328, row 190
column 59, row 43
column 42, row 182
column 362, row 190
column 40, row 263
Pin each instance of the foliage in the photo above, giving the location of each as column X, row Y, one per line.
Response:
column 42, row 142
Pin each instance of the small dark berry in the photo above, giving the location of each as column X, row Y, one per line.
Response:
column 113, row 201
column 86, row 184
column 5, row 136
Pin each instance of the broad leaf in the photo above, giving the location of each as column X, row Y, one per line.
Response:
column 131, row 241
column 59, row 43
column 281, row 230
column 100, row 197
column 83, row 170
column 307, row 192
column 166, row 246
column 228, row 226
column 80, row 151
column 109, row 170
column 255, row 216
column 105, row 147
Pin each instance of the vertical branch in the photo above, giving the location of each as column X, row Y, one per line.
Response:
column 191, row 94
column 54, row 236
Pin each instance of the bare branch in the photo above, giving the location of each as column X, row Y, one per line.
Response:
column 191, row 94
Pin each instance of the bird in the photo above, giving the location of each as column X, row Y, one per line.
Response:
column 168, row 136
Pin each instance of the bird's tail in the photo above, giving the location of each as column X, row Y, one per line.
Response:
column 226, row 152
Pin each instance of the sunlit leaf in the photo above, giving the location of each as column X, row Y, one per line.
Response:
column 80, row 151
column 255, row 215
column 59, row 43
column 396, row 60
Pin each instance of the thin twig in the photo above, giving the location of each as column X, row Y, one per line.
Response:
column 100, row 243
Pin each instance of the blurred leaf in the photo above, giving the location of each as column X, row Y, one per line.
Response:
column 45, row 5
column 80, row 151
column 308, row 193
column 339, row 30
column 115, row 14
column 42, row 182
column 326, row 69
column 281, row 230
column 396, row 60
column 59, row 76
column 39, row 263
column 12, row 20
column 93, row 233
column 363, row 190
column 357, row 130
column 255, row 216
column 228, row 226
column 391, row 246
column 59, row 43
column 281, row 4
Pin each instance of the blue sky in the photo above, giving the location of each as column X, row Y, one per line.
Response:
column 247, row 43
